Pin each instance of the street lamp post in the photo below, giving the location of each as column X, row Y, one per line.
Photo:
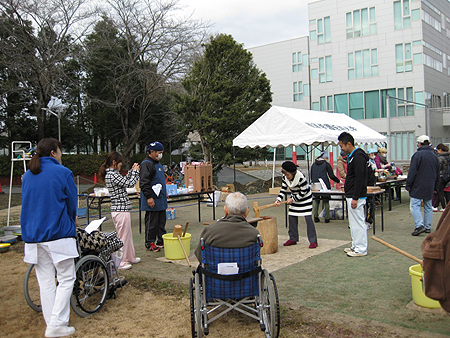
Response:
column 58, row 115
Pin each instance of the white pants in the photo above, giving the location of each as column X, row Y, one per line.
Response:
column 358, row 227
column 55, row 300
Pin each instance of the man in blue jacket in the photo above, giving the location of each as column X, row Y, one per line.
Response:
column 153, row 196
column 356, row 194
column 422, row 181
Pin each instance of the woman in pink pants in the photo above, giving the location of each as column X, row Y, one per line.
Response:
column 117, row 186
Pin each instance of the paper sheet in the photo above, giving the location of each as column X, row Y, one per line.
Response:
column 227, row 268
column 94, row 225
column 157, row 188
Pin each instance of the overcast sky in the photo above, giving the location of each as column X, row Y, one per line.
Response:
column 252, row 22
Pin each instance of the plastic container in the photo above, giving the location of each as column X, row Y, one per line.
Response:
column 172, row 247
column 418, row 294
column 191, row 185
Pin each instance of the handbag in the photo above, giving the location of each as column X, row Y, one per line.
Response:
column 95, row 241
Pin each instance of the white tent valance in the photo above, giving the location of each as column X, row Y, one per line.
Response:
column 281, row 126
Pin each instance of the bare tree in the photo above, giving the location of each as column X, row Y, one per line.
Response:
column 46, row 31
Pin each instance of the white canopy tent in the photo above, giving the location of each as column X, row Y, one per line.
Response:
column 281, row 126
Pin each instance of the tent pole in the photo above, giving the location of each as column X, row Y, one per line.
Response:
column 234, row 169
column 273, row 170
column 307, row 161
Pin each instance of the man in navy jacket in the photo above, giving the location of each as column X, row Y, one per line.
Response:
column 422, row 181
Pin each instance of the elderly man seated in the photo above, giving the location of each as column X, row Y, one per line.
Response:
column 231, row 231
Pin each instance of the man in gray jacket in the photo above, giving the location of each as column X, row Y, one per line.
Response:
column 422, row 181
column 231, row 231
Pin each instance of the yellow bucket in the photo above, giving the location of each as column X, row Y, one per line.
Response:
column 418, row 295
column 172, row 247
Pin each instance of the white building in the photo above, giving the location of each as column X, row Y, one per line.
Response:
column 356, row 54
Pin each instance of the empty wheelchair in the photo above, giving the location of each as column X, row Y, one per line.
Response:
column 97, row 279
column 251, row 291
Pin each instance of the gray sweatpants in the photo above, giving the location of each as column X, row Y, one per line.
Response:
column 310, row 229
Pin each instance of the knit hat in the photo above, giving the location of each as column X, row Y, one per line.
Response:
column 155, row 146
column 289, row 166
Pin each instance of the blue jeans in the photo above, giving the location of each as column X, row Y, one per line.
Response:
column 416, row 213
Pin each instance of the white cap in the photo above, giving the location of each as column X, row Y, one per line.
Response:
column 423, row 138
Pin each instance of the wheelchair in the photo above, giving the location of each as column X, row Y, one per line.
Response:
column 97, row 280
column 252, row 291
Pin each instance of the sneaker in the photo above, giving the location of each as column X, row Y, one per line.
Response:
column 418, row 231
column 289, row 242
column 347, row 250
column 313, row 245
column 137, row 260
column 126, row 266
column 356, row 254
column 327, row 221
column 427, row 231
column 160, row 245
column 442, row 210
column 435, row 209
column 59, row 331
column 316, row 219
column 153, row 247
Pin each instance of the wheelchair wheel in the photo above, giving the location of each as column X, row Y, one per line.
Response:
column 198, row 308
column 270, row 305
column 31, row 289
column 91, row 285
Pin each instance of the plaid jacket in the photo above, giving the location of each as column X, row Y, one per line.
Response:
column 117, row 186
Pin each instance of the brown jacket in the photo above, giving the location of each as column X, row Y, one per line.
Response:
column 436, row 261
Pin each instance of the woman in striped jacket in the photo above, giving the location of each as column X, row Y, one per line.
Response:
column 300, row 203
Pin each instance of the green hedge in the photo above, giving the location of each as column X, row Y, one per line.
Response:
column 79, row 164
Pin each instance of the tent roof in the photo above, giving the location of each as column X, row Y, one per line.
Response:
column 280, row 126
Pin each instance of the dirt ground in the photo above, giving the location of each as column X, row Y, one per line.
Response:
column 143, row 310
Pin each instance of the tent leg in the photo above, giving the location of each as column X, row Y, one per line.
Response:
column 273, row 170
column 234, row 170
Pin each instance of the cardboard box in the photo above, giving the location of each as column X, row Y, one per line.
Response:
column 171, row 189
column 170, row 213
column 201, row 176
column 274, row 191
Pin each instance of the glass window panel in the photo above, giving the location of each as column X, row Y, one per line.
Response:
column 405, row 7
column 312, row 22
column 358, row 64
column 415, row 14
column 319, row 26
column 398, row 17
column 314, row 73
column 348, row 20
column 330, row 102
column 372, row 104
column 365, row 21
column 399, row 58
column 313, row 60
column 294, row 57
column 300, row 97
column 410, row 110
column 299, row 67
column 299, row 57
column 350, row 62
column 320, row 39
column 322, row 77
column 374, row 70
column 366, row 62
column 306, row 90
column 329, row 68
column 351, row 74
column 321, row 65
column 295, row 97
column 374, row 56
column 392, row 102
column 407, row 22
column 315, row 106
column 357, row 23
column 417, row 58
column 305, row 59
column 408, row 66
column 417, row 43
column 372, row 14
column 295, row 87
column 407, row 51
column 327, row 29
column 401, row 94
column 357, row 114
column 409, row 94
column 322, row 103
column 356, row 100
column 313, row 35
column 350, row 33
column 341, row 104
column 294, row 68
column 401, row 111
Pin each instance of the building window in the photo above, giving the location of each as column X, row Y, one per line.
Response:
column 341, row 103
column 323, row 29
column 306, row 89
column 435, row 23
column 405, row 108
column 323, row 103
column 297, row 62
column 362, row 63
column 298, row 91
column 325, row 69
column 330, row 102
column 402, row 14
column 361, row 22
column 403, row 57
column 356, row 105
column 372, row 104
column 315, row 106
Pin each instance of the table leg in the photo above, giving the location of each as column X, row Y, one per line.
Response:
column 199, row 215
column 214, row 205
column 382, row 215
column 100, row 211
column 372, row 203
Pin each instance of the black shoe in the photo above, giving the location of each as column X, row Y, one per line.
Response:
column 397, row 199
column 418, row 231
column 327, row 220
column 316, row 219
column 427, row 231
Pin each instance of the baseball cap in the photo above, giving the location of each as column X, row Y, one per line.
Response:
column 423, row 138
